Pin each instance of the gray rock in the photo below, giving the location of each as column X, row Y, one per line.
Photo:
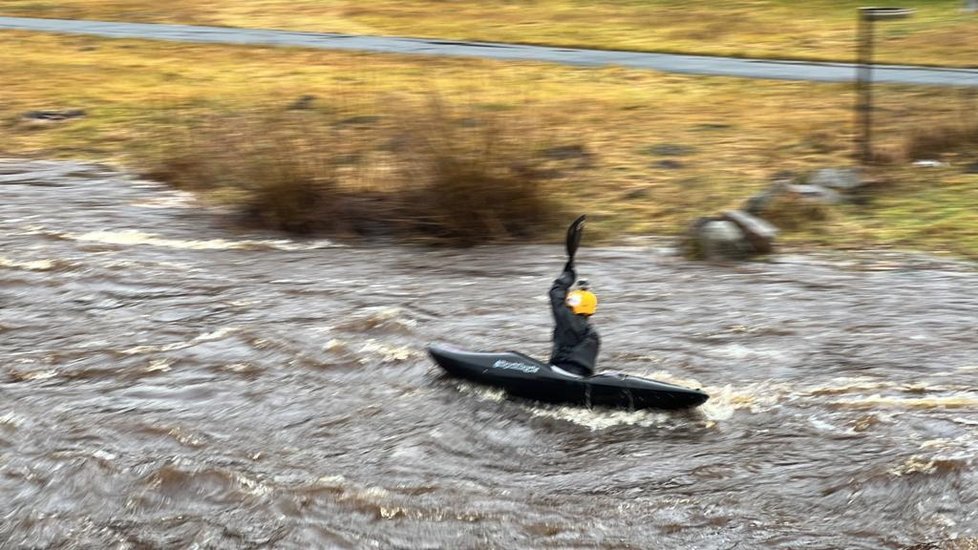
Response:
column 715, row 239
column 361, row 120
column 711, row 127
column 584, row 157
column 668, row 164
column 303, row 102
column 759, row 202
column 780, row 184
column 815, row 193
column 689, row 242
column 840, row 179
column 929, row 163
column 669, row 150
column 759, row 233
column 54, row 116
column 784, row 176
column 637, row 194
column 564, row 152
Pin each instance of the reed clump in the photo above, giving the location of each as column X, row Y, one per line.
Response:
column 935, row 141
column 427, row 173
column 265, row 164
column 470, row 175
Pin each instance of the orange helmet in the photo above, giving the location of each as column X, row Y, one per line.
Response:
column 582, row 302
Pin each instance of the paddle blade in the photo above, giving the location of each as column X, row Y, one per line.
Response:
column 574, row 232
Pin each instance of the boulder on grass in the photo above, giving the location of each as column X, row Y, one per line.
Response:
column 840, row 179
column 759, row 233
column 812, row 192
column 716, row 239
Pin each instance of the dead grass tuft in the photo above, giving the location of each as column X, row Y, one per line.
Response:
column 792, row 212
column 932, row 142
column 471, row 178
column 443, row 178
column 277, row 172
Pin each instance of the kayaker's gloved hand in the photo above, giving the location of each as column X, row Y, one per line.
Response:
column 569, row 268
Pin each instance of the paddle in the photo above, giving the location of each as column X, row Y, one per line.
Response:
column 574, row 232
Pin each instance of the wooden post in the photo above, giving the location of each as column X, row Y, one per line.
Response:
column 864, row 89
column 864, row 76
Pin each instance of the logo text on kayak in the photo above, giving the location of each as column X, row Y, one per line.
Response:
column 512, row 365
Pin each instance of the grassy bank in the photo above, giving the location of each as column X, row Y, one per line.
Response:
column 643, row 153
column 939, row 34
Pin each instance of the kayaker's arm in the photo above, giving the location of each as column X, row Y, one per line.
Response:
column 568, row 276
column 558, row 293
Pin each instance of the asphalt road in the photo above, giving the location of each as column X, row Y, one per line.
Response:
column 687, row 64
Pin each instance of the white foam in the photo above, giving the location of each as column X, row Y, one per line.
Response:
column 35, row 265
column 961, row 400
column 175, row 199
column 139, row 238
column 602, row 419
column 387, row 353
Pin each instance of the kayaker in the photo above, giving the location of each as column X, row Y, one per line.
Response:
column 575, row 340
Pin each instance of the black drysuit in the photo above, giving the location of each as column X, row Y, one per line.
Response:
column 575, row 340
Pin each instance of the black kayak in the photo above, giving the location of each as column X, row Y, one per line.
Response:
column 524, row 376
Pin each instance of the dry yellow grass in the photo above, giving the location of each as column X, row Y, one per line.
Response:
column 653, row 150
column 939, row 34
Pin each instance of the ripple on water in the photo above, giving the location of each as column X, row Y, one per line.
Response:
column 939, row 465
column 381, row 319
column 185, row 481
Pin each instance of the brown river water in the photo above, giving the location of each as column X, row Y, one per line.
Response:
column 167, row 381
